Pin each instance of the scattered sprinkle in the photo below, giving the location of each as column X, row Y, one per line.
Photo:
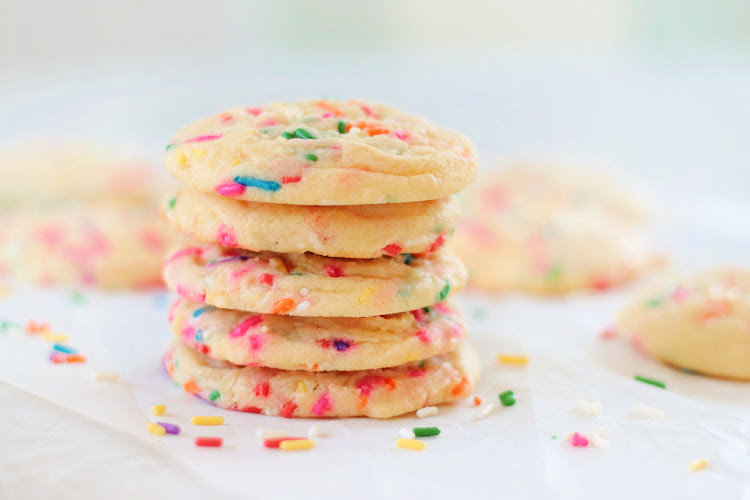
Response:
column 697, row 464
column 507, row 398
column 33, row 327
column 297, row 444
column 599, row 439
column 105, row 377
column 276, row 442
column 477, row 401
column 591, row 409
column 215, row 394
column 578, row 439
column 170, row 428
column 271, row 433
column 55, row 337
column 426, row 431
column 206, row 420
column 406, row 433
column 646, row 380
column 311, row 157
column 648, row 411
column 553, row 436
column 77, row 298
column 427, row 411
column 512, row 359
column 158, row 410
column 156, row 429
column 484, row 412
column 64, row 349
column 257, row 183
column 313, row 432
column 341, row 126
column 209, row 441
column 411, row 444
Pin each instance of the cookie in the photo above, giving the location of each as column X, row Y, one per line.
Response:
column 355, row 231
column 309, row 284
column 101, row 244
column 317, row 344
column 379, row 393
column 699, row 323
column 321, row 152
column 550, row 254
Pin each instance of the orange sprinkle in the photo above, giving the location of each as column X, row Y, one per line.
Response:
column 391, row 383
column 461, row 386
column 717, row 308
column 170, row 369
column 283, row 306
column 477, row 401
column 329, row 107
column 75, row 358
column 371, row 131
column 192, row 387
column 361, row 401
column 32, row 327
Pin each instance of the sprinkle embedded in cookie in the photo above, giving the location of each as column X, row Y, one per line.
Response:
column 321, row 152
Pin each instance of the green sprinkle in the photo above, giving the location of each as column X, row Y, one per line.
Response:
column 170, row 147
column 444, row 292
column 426, row 431
column 421, row 364
column 341, row 126
column 554, row 436
column 77, row 297
column 554, row 272
column 311, row 157
column 6, row 325
column 654, row 302
column 301, row 133
column 646, row 380
column 172, row 203
column 479, row 314
column 426, row 309
column 507, row 398
column 287, row 135
column 295, row 274
column 214, row 395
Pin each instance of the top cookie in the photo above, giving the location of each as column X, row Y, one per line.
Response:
column 321, row 152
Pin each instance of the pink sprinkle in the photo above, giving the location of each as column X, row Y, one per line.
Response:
column 225, row 236
column 188, row 334
column 204, row 138
column 680, row 294
column 419, row 315
column 479, row 232
column 50, row 235
column 368, row 110
column 607, row 334
column 442, row 308
column 191, row 294
column 322, row 405
column 245, row 325
column 579, row 440
column 230, row 189
column 424, row 336
column 256, row 343
column 254, row 111
column 185, row 252
column 170, row 315
column 267, row 123
column 327, row 115
column 152, row 240
column 419, row 372
column 333, row 271
column 403, row 135
column 242, row 271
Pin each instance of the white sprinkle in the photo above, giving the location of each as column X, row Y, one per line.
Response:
column 313, row 432
column 264, row 328
column 406, row 433
column 271, row 433
column 647, row 411
column 592, row 409
column 599, row 439
column 105, row 377
column 484, row 411
column 302, row 306
column 427, row 411
column 303, row 292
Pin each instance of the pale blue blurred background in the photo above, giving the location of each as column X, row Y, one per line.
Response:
column 660, row 89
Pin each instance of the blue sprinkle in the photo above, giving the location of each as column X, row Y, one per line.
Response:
column 200, row 311
column 341, row 345
column 408, row 259
column 199, row 336
column 258, row 183
column 64, row 348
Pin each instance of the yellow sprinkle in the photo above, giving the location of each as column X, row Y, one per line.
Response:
column 412, row 357
column 208, row 420
column 198, row 153
column 301, row 387
column 697, row 464
column 235, row 161
column 412, row 444
column 512, row 359
column 158, row 409
column 181, row 158
column 55, row 337
column 297, row 444
column 366, row 295
column 156, row 429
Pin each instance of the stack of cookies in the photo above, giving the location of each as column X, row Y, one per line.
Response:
column 317, row 285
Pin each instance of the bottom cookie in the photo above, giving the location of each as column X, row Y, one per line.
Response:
column 380, row 393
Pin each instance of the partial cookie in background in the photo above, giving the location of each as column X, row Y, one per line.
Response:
column 78, row 214
column 700, row 323
column 549, row 229
column 352, row 231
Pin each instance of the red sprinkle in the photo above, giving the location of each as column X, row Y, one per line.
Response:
column 265, row 279
column 291, row 180
column 392, row 249
column 334, row 271
column 209, row 441
column 440, row 241
column 275, row 442
column 288, row 409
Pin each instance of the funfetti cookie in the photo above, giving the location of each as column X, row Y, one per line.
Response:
column 380, row 393
column 317, row 344
column 309, row 284
column 321, row 152
column 354, row 231
column 699, row 323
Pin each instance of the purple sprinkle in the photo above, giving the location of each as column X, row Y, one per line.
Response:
column 228, row 259
column 170, row 428
column 341, row 345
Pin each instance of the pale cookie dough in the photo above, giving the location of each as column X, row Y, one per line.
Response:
column 700, row 323
column 102, row 244
column 317, row 344
column 355, row 231
column 550, row 254
column 312, row 285
column 379, row 393
column 321, row 152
